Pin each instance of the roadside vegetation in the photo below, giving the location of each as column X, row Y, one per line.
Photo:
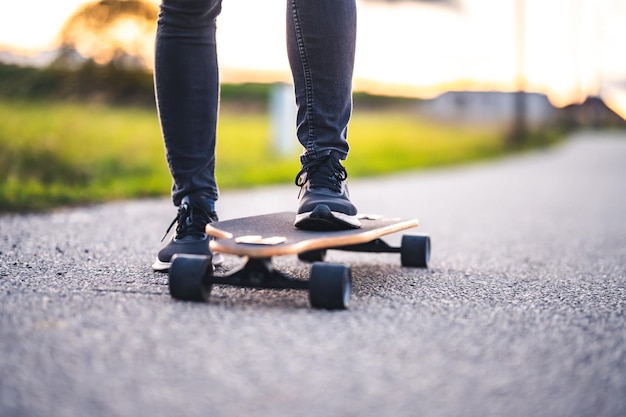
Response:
column 78, row 143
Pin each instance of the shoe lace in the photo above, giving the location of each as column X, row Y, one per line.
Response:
column 190, row 221
column 322, row 173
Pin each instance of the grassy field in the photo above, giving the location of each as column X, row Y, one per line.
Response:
column 58, row 153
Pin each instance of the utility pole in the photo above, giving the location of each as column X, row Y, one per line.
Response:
column 519, row 128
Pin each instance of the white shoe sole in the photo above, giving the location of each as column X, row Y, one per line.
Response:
column 161, row 266
column 335, row 218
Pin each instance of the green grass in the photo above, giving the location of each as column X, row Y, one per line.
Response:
column 384, row 143
column 59, row 153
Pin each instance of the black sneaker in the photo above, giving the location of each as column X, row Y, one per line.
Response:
column 324, row 199
column 191, row 238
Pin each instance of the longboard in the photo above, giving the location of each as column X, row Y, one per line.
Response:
column 274, row 235
column 259, row 238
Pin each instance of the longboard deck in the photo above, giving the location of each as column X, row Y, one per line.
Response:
column 274, row 234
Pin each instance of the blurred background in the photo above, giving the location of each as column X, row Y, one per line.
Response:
column 437, row 82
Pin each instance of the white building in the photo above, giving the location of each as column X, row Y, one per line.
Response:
column 487, row 107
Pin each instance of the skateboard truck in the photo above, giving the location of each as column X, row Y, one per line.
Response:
column 259, row 273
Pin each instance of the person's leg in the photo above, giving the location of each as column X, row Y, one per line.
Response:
column 321, row 38
column 187, row 91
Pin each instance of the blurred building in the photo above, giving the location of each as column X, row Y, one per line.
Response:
column 593, row 112
column 498, row 108
column 489, row 107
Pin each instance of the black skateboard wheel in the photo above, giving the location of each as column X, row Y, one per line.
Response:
column 415, row 251
column 187, row 277
column 330, row 286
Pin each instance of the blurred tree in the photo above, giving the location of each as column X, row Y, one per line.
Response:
column 116, row 32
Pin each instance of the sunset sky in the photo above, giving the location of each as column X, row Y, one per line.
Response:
column 572, row 48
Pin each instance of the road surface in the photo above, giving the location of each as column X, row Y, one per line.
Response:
column 520, row 314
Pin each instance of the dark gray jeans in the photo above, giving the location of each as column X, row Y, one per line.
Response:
column 320, row 42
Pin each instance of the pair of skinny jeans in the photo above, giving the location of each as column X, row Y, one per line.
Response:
column 321, row 37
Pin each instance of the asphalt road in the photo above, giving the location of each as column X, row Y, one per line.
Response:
column 522, row 312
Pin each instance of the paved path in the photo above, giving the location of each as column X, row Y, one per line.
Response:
column 521, row 313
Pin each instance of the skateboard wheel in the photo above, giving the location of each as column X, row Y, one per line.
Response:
column 330, row 286
column 186, row 277
column 415, row 251
column 313, row 256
